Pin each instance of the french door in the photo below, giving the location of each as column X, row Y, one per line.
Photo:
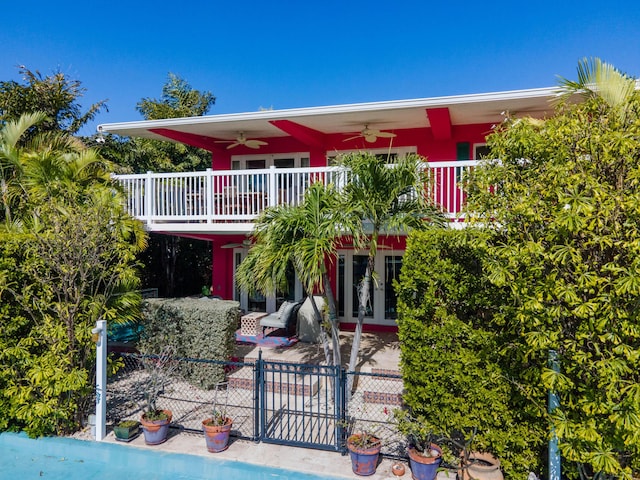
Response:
column 256, row 302
column 381, row 309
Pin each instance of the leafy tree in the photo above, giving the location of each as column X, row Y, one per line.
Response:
column 68, row 260
column 170, row 261
column 463, row 384
column 55, row 95
column 563, row 205
column 385, row 195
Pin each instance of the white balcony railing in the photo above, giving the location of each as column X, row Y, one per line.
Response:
column 222, row 196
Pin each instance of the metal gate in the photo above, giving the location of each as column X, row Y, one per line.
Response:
column 301, row 405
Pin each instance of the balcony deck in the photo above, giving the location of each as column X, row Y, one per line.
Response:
column 228, row 201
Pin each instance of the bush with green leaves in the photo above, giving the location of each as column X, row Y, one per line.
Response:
column 67, row 259
column 563, row 205
column 460, row 380
column 198, row 328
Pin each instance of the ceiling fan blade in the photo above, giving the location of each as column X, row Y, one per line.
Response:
column 385, row 134
column 232, row 245
column 224, row 141
column 371, row 138
column 352, row 138
column 235, row 144
column 254, row 143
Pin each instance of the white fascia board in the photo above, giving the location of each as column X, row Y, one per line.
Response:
column 333, row 109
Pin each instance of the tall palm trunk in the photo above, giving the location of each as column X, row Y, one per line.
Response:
column 333, row 319
column 363, row 298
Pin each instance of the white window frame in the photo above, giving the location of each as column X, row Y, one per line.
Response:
column 270, row 158
column 399, row 151
column 475, row 149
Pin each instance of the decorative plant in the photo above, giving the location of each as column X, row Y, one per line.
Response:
column 421, row 437
column 160, row 368
column 219, row 415
column 128, row 424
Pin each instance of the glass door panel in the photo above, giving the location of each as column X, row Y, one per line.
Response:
column 359, row 266
column 392, row 266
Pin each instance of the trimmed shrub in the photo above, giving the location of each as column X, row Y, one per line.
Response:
column 461, row 380
column 198, row 328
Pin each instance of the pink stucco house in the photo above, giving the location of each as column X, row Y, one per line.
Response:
column 264, row 158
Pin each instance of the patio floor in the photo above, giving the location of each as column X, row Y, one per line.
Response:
column 379, row 352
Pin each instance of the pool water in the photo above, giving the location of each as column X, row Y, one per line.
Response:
column 72, row 459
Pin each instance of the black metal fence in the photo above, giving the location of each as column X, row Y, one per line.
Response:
column 277, row 402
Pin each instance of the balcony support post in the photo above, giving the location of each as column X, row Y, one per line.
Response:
column 273, row 187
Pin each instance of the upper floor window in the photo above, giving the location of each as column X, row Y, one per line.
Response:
column 481, row 150
column 282, row 160
column 385, row 154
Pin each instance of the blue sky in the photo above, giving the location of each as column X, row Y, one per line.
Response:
column 286, row 54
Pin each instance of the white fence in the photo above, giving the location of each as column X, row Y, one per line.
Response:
column 213, row 196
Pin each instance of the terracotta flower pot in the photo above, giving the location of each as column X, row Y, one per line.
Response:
column 481, row 466
column 155, row 431
column 364, row 458
column 425, row 467
column 217, row 436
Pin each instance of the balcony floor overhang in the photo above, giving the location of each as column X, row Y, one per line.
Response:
column 204, row 228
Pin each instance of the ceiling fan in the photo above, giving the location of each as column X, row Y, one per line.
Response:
column 246, row 243
column 241, row 139
column 371, row 135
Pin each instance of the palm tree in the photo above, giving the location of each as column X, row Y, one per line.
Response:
column 306, row 236
column 598, row 79
column 10, row 159
column 385, row 196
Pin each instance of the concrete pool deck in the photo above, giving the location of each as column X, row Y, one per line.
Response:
column 304, row 460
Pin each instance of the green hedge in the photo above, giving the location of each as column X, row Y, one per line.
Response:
column 199, row 328
column 458, row 374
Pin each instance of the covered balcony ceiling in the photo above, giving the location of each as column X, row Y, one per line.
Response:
column 340, row 119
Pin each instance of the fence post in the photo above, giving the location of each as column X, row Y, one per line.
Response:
column 257, row 395
column 148, row 197
column 209, row 194
column 341, row 408
column 101, row 378
column 273, row 187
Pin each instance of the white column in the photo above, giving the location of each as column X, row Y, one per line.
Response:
column 101, row 378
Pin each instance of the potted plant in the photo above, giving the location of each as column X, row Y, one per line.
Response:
column 217, row 427
column 424, row 460
column 479, row 466
column 126, row 430
column 425, row 455
column 364, row 450
column 155, row 421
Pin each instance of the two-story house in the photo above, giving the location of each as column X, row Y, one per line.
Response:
column 264, row 158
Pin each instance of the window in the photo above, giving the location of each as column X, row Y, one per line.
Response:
column 382, row 153
column 278, row 160
column 481, row 150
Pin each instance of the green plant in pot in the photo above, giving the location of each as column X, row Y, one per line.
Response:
column 423, row 447
column 217, row 427
column 126, row 430
column 364, row 447
column 155, row 421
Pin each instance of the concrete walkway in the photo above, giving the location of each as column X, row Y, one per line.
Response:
column 305, row 460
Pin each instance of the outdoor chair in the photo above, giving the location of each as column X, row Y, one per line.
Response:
column 285, row 318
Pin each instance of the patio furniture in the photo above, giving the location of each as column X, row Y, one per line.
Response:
column 285, row 318
column 308, row 326
column 250, row 323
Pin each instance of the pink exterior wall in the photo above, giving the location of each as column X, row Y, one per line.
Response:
column 422, row 138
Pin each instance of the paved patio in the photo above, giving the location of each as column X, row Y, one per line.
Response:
column 378, row 351
column 290, row 458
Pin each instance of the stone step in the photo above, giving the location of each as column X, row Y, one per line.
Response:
column 286, row 382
